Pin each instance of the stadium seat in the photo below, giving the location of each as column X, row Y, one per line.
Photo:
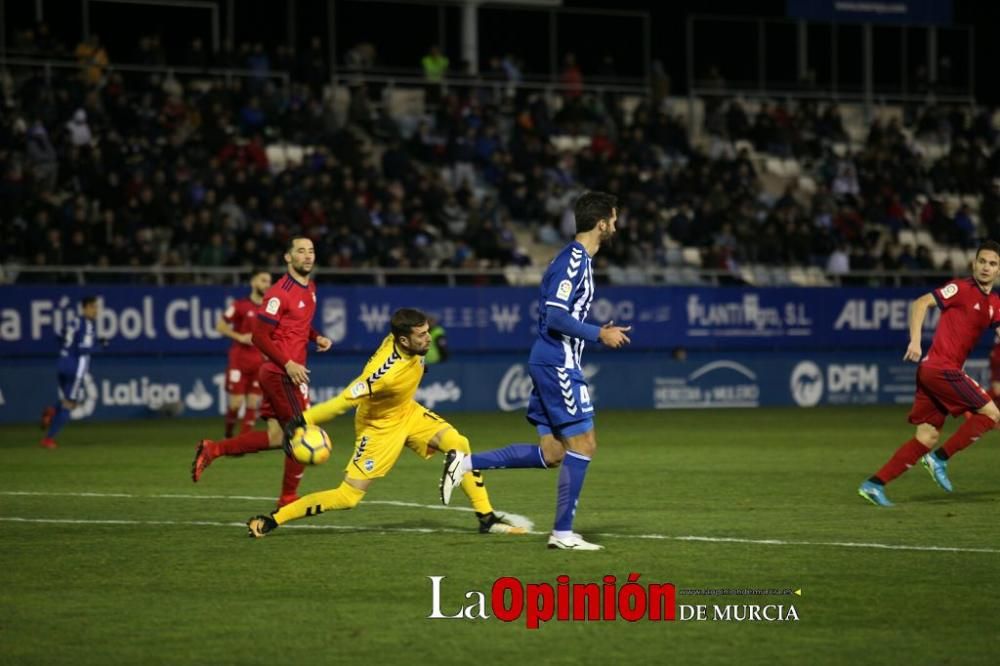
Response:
column 817, row 277
column 797, row 276
column 774, row 166
column 961, row 261
column 691, row 256
column 907, row 237
column 939, row 255
column 924, row 238
column 792, row 168
column 807, row 185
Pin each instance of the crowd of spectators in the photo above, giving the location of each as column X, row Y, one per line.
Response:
column 106, row 168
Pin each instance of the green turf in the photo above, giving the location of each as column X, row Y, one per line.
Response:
column 205, row 594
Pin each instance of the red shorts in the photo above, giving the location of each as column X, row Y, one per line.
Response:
column 282, row 399
column 943, row 391
column 242, row 380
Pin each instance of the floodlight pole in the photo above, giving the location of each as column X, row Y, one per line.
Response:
column 470, row 35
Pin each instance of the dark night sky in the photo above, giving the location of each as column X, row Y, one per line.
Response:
column 403, row 32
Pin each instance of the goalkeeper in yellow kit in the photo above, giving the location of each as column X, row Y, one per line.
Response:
column 387, row 419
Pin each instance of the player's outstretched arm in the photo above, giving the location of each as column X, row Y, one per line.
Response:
column 337, row 405
column 918, row 312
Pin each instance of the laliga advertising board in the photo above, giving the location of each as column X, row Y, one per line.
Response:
column 137, row 387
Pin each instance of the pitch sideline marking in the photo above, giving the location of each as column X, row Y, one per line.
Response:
column 356, row 528
column 514, row 518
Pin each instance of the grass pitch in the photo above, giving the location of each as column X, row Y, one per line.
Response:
column 110, row 555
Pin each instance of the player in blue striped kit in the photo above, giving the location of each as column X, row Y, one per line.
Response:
column 560, row 406
column 77, row 343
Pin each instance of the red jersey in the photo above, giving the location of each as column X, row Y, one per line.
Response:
column 240, row 316
column 965, row 313
column 289, row 307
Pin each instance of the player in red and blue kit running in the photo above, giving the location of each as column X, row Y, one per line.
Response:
column 560, row 407
column 282, row 331
column 969, row 306
column 77, row 343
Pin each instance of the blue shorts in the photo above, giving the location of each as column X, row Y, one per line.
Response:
column 71, row 372
column 560, row 401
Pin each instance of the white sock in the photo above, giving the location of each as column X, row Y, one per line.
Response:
column 466, row 464
column 562, row 534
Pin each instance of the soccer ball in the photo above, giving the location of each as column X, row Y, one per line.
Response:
column 310, row 445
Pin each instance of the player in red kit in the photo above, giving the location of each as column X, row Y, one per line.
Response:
column 282, row 331
column 968, row 307
column 245, row 359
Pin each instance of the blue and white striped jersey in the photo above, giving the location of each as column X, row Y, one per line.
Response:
column 79, row 338
column 568, row 284
column 78, row 341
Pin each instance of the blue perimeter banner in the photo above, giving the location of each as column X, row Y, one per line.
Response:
column 935, row 12
column 128, row 388
column 181, row 320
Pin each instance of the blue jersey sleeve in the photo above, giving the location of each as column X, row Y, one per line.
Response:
column 560, row 321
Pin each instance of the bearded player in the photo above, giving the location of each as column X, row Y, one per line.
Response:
column 560, row 407
column 242, row 385
column 388, row 418
column 282, row 331
column 968, row 307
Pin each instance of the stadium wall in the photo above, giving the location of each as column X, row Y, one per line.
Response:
column 147, row 387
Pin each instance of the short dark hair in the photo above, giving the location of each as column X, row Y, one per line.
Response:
column 257, row 270
column 592, row 207
column 404, row 320
column 291, row 243
column 989, row 245
column 88, row 301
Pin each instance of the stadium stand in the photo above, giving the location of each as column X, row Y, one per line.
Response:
column 196, row 167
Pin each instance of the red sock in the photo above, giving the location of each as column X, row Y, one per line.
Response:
column 290, row 482
column 905, row 457
column 968, row 433
column 249, row 420
column 250, row 442
column 231, row 415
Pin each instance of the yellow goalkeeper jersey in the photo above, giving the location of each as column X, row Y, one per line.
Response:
column 383, row 393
